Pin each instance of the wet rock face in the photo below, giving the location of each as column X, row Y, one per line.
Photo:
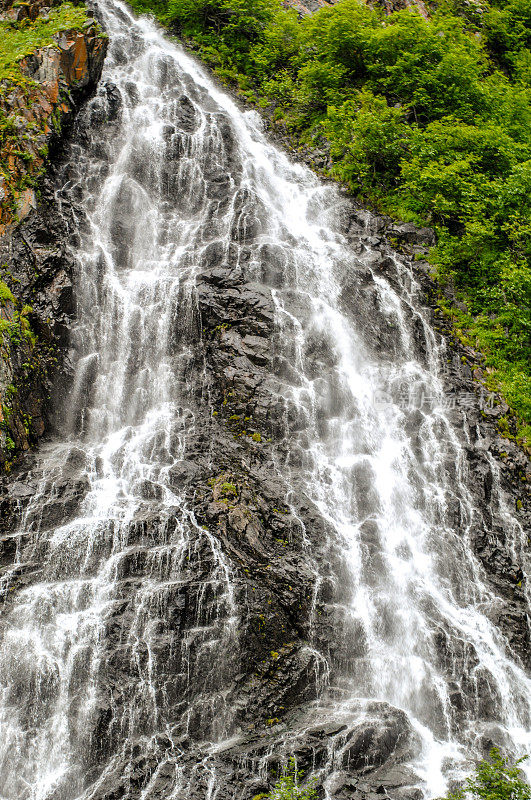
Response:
column 61, row 76
column 303, row 9
column 226, row 638
column 33, row 251
column 499, row 472
column 257, row 571
column 38, row 266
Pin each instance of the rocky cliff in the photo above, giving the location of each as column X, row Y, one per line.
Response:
column 226, row 637
column 39, row 96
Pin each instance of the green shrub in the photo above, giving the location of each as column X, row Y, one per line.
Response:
column 368, row 140
column 230, row 27
column 288, row 787
column 495, row 779
column 508, row 29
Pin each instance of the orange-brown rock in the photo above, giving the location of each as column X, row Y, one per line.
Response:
column 36, row 113
column 23, row 10
column 60, row 75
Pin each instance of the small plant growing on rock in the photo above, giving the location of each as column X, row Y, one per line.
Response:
column 6, row 295
column 287, row 787
column 494, row 779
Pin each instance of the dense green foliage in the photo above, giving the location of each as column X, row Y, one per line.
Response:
column 428, row 120
column 494, row 779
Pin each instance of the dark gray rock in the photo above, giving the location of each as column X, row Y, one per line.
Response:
column 238, row 511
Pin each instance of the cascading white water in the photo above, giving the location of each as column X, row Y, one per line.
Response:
column 383, row 472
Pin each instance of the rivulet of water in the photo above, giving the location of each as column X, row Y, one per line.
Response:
column 158, row 172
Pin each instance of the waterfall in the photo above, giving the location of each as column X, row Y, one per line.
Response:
column 257, row 412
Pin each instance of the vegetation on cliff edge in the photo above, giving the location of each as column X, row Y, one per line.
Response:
column 25, row 105
column 288, row 786
column 28, row 112
column 427, row 120
column 495, row 778
column 19, row 39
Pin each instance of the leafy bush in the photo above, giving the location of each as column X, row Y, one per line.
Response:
column 508, row 29
column 288, row 788
column 495, row 779
column 228, row 26
column 368, row 140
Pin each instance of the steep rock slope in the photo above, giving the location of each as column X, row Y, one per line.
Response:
column 39, row 95
column 227, row 633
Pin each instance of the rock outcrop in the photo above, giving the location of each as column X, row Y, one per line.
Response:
column 305, row 7
column 36, row 303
